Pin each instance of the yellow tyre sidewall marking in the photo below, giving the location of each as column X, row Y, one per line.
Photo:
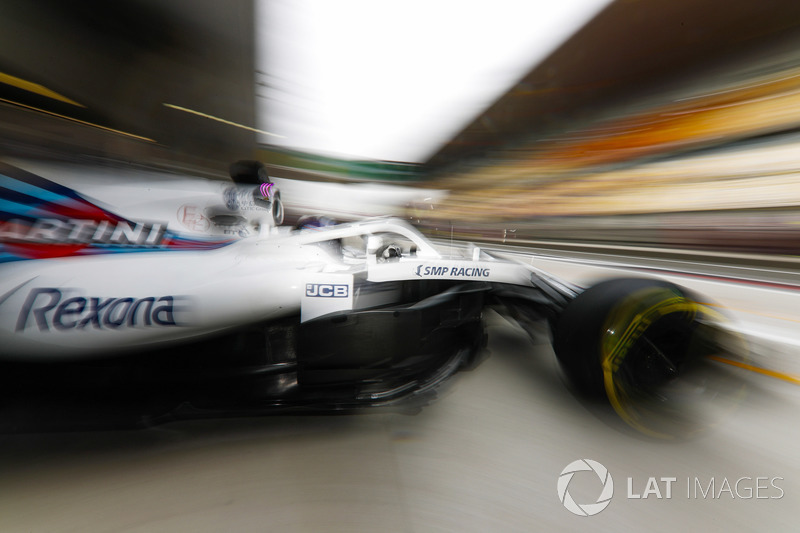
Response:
column 633, row 317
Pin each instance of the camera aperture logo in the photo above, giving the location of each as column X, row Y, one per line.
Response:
column 585, row 509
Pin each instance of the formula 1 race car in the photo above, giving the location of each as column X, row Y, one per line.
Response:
column 165, row 303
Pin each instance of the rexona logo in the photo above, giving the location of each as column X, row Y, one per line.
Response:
column 585, row 509
column 327, row 290
column 47, row 308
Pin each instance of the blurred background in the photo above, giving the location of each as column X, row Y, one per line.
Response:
column 660, row 122
column 648, row 135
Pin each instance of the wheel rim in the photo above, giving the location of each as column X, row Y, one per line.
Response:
column 650, row 340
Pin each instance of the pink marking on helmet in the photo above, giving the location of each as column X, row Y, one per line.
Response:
column 266, row 189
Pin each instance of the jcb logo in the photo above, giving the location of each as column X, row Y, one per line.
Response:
column 320, row 290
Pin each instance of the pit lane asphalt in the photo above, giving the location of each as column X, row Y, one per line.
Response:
column 485, row 457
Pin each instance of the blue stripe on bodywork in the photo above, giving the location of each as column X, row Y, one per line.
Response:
column 32, row 191
column 17, row 209
column 24, row 176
